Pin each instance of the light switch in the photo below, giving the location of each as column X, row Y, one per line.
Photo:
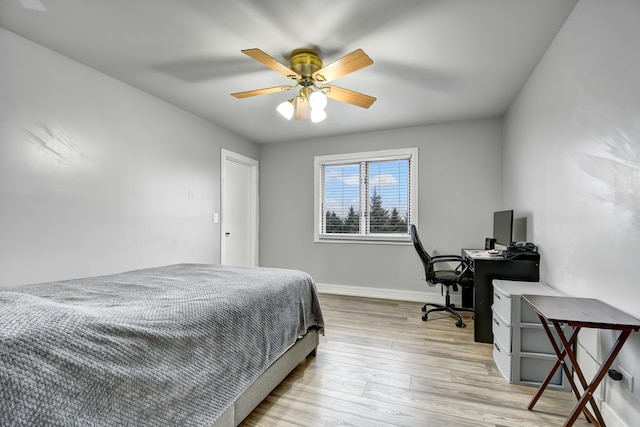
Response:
column 216, row 218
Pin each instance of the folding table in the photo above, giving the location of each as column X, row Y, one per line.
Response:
column 579, row 313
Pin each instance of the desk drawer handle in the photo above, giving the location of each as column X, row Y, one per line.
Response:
column 496, row 296
column 496, row 346
column 496, row 321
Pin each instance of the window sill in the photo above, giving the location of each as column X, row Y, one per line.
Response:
column 375, row 240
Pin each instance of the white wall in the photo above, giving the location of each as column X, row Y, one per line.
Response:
column 97, row 177
column 572, row 163
column 459, row 188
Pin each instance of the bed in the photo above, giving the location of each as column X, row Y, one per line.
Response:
column 186, row 344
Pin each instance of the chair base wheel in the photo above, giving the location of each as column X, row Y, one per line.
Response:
column 450, row 308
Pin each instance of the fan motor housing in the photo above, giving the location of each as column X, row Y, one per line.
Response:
column 305, row 62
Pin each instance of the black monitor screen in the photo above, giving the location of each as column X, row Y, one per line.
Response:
column 503, row 227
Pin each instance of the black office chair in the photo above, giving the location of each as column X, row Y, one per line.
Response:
column 446, row 278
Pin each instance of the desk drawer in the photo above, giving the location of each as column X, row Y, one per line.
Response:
column 527, row 313
column 533, row 370
column 534, row 339
column 502, row 333
column 502, row 305
column 503, row 361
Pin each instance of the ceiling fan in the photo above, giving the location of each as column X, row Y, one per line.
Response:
column 306, row 68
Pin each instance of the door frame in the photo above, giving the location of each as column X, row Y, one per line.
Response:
column 253, row 164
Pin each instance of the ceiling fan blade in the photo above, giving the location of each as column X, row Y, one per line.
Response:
column 354, row 61
column 264, row 91
column 270, row 62
column 303, row 109
column 349, row 96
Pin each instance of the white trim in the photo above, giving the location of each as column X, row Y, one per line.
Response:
column 382, row 293
column 395, row 154
column 255, row 202
column 378, row 239
column 587, row 345
column 610, row 417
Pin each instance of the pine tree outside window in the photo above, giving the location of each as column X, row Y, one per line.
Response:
column 366, row 196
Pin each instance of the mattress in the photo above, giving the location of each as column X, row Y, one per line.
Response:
column 173, row 345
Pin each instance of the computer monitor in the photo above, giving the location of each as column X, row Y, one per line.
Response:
column 503, row 227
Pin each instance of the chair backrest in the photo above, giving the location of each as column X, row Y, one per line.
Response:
column 424, row 255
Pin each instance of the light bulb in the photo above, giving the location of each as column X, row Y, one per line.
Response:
column 318, row 115
column 286, row 109
column 318, row 100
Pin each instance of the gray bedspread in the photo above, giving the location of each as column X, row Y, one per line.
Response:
column 167, row 346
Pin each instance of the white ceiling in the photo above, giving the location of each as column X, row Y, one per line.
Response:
column 434, row 60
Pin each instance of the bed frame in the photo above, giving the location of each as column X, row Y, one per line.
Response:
column 270, row 378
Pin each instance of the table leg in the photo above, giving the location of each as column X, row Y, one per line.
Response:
column 589, row 396
column 560, row 361
column 591, row 388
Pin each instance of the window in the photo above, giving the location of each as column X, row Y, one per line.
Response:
column 366, row 196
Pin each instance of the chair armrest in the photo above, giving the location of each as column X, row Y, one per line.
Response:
column 446, row 258
column 461, row 269
column 449, row 258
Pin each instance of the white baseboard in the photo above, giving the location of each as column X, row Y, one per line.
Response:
column 610, row 417
column 390, row 294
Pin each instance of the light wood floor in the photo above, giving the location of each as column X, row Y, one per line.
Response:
column 379, row 364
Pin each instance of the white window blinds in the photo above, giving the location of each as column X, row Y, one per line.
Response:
column 366, row 195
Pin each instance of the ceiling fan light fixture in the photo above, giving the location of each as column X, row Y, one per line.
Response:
column 318, row 115
column 318, row 100
column 286, row 109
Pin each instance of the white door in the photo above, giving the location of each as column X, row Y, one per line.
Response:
column 239, row 210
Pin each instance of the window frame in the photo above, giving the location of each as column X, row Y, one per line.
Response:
column 410, row 154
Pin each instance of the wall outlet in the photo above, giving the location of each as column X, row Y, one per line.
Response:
column 627, row 379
